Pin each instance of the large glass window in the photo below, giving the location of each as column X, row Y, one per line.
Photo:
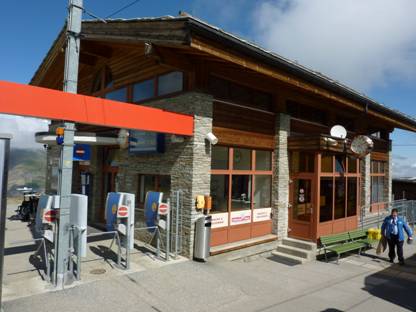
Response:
column 339, row 209
column 352, row 164
column 242, row 159
column 352, row 197
column 377, row 181
column 170, row 83
column 326, row 163
column 340, row 163
column 219, row 193
column 326, row 195
column 263, row 160
column 219, row 157
column 143, row 90
column 117, row 95
column 302, row 162
column 256, row 181
column 241, row 192
column 263, row 189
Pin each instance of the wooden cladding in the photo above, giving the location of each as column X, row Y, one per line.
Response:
column 244, row 119
column 240, row 138
column 380, row 156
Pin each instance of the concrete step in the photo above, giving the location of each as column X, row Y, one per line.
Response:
column 311, row 246
column 286, row 258
column 301, row 253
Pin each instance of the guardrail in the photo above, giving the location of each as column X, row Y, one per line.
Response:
column 406, row 209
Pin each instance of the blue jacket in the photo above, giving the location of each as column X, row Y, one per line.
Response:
column 387, row 228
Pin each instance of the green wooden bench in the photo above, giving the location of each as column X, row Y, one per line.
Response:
column 344, row 242
column 361, row 236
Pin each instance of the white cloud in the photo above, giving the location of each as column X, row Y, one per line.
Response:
column 363, row 43
column 23, row 130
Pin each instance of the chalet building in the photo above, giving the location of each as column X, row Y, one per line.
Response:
column 275, row 170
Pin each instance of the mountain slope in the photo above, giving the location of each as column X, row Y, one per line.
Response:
column 27, row 168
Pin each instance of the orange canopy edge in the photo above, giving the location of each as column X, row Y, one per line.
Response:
column 25, row 100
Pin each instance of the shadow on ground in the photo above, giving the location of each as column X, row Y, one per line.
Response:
column 396, row 284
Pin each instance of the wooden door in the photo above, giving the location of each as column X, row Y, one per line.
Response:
column 301, row 208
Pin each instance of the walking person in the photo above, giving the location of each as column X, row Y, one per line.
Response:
column 393, row 229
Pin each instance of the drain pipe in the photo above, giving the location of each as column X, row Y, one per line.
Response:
column 4, row 167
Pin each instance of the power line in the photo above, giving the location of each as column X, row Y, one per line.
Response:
column 123, row 8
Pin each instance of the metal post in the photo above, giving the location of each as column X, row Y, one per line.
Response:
column 65, row 186
column 176, row 224
column 168, row 232
column 4, row 165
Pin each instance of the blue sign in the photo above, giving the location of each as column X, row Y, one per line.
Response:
column 151, row 205
column 146, row 142
column 113, row 201
column 82, row 152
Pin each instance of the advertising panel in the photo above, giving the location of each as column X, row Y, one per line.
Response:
column 240, row 217
column 146, row 142
column 262, row 214
column 219, row 220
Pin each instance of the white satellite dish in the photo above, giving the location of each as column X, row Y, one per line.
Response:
column 338, row 131
column 362, row 145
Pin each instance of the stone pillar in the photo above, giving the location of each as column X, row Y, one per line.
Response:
column 280, row 198
column 366, row 183
column 388, row 183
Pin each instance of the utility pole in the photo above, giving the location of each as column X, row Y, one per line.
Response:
column 72, row 51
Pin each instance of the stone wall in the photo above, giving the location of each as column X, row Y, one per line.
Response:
column 280, row 188
column 188, row 163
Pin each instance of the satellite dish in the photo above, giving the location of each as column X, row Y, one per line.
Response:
column 362, row 145
column 338, row 131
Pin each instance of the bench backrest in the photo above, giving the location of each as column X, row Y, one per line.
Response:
column 334, row 239
column 358, row 234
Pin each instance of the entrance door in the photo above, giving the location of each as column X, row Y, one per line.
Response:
column 301, row 209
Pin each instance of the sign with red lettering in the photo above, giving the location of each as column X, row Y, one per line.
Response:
column 122, row 212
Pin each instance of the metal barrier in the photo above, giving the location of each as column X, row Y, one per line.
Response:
column 406, row 209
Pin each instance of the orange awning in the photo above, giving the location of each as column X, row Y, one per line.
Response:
column 25, row 100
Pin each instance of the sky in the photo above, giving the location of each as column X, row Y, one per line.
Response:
column 369, row 45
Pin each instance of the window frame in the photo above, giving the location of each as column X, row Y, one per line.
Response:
column 252, row 172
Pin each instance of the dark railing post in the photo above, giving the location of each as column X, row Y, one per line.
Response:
column 4, row 166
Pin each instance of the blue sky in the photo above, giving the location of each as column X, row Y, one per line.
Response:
column 347, row 40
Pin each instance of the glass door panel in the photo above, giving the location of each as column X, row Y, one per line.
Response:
column 302, row 201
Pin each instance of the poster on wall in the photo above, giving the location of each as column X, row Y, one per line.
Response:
column 262, row 214
column 240, row 217
column 219, row 220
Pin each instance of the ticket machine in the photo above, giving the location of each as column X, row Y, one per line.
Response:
column 119, row 215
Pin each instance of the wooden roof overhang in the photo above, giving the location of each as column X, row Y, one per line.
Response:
column 178, row 42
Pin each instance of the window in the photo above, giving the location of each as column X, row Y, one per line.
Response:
column 219, row 193
column 339, row 187
column 242, row 159
column 302, row 208
column 143, row 90
column 241, row 192
column 263, row 160
column 302, row 162
column 219, row 157
column 378, row 180
column 155, row 183
column 263, row 190
column 227, row 90
column 117, row 95
column 325, row 212
column 170, row 83
column 306, row 112
column 249, row 189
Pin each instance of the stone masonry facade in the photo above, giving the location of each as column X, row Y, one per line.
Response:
column 280, row 187
column 187, row 163
column 365, row 184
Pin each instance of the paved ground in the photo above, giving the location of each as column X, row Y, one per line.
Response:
column 355, row 284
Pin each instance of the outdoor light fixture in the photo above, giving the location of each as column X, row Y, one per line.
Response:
column 211, row 138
